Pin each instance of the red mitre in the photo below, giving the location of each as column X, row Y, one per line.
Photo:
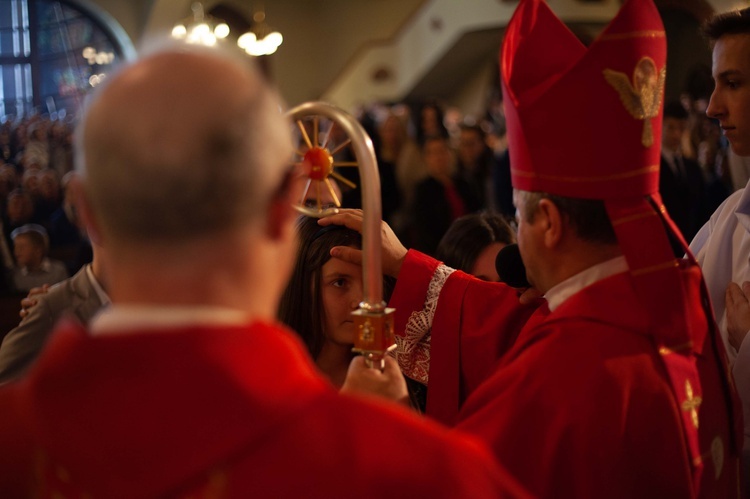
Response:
column 584, row 123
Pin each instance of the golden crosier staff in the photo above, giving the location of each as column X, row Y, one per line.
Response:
column 373, row 322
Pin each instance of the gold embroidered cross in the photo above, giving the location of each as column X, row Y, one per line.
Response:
column 691, row 403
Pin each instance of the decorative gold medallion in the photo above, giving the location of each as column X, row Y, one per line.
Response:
column 691, row 403
column 642, row 98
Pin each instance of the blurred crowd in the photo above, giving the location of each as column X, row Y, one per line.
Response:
column 36, row 158
column 436, row 165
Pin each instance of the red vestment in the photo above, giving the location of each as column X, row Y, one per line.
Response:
column 475, row 323
column 581, row 404
column 217, row 412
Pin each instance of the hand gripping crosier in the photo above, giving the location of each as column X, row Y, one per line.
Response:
column 372, row 320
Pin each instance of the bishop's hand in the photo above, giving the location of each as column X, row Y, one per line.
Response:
column 387, row 384
column 738, row 312
column 393, row 253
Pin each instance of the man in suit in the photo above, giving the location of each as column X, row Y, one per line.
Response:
column 681, row 183
column 80, row 296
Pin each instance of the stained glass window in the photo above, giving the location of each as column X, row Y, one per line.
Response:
column 51, row 54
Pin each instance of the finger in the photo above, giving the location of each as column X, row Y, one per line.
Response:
column 28, row 302
column 733, row 294
column 391, row 367
column 746, row 289
column 357, row 364
column 347, row 254
column 351, row 219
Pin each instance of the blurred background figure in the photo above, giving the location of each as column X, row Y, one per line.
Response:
column 681, row 183
column 19, row 211
column 429, row 122
column 399, row 152
column 33, row 268
column 476, row 163
column 441, row 198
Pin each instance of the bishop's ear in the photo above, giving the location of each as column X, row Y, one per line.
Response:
column 552, row 222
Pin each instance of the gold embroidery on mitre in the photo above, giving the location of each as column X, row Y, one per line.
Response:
column 578, row 180
column 651, row 33
column 633, row 218
column 642, row 98
column 691, row 403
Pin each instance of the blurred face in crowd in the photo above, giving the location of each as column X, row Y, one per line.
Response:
column 672, row 132
column 391, row 131
column 470, row 147
column 437, row 157
column 49, row 187
column 341, row 293
column 20, row 207
column 31, row 182
column 730, row 101
column 430, row 121
column 27, row 253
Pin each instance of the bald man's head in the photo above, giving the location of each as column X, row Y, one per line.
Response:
column 182, row 144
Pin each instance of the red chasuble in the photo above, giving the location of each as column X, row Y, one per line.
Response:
column 579, row 404
column 217, row 412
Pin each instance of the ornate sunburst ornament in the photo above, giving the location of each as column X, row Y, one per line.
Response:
column 316, row 154
column 642, row 98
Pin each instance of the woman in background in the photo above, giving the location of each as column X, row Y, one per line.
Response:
column 439, row 199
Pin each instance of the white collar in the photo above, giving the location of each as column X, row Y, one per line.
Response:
column 562, row 291
column 125, row 318
column 98, row 289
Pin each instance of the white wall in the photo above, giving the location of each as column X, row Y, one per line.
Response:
column 332, row 47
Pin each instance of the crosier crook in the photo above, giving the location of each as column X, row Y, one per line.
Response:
column 373, row 322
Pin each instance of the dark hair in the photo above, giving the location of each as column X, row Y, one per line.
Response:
column 734, row 22
column 476, row 128
column 469, row 235
column 588, row 217
column 674, row 109
column 301, row 307
column 36, row 239
column 439, row 115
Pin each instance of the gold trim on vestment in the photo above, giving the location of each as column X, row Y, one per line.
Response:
column 556, row 178
column 691, row 403
column 655, row 268
column 665, row 350
column 631, row 218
